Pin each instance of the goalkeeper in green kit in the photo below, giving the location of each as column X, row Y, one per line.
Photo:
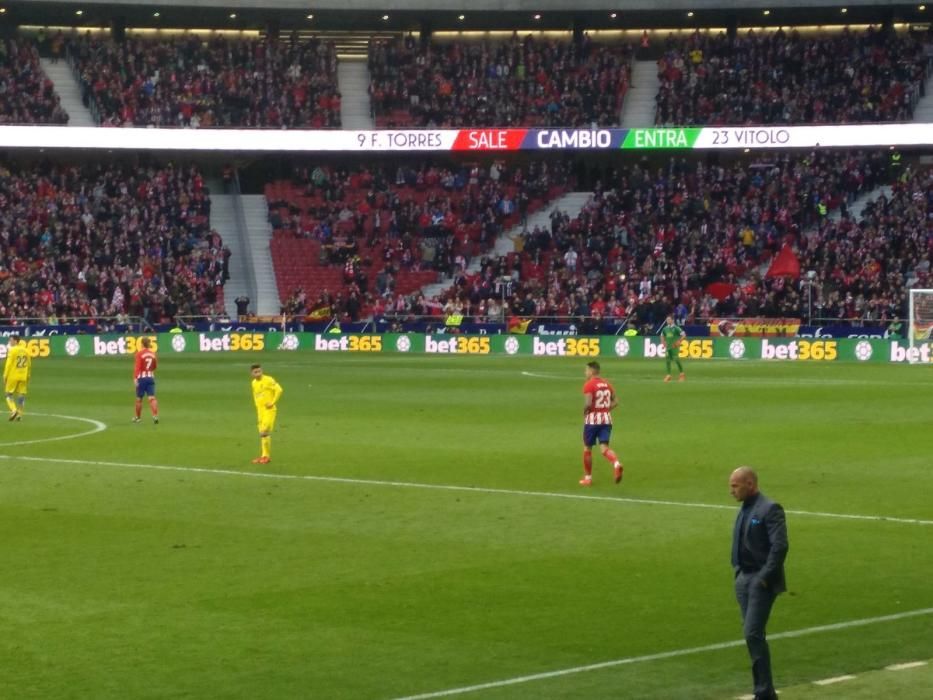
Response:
column 672, row 335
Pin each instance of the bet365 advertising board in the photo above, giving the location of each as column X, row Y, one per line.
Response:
column 615, row 347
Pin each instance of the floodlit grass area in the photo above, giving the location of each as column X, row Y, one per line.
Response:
column 118, row 580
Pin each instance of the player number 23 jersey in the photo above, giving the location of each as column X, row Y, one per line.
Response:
column 603, row 394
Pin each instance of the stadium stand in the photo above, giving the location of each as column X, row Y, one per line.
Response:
column 27, row 95
column 522, row 82
column 107, row 241
column 360, row 240
column 865, row 267
column 783, row 78
column 706, row 238
column 188, row 81
column 371, row 233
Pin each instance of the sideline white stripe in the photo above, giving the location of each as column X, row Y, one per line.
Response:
column 549, row 376
column 710, row 382
column 667, row 655
column 98, row 427
column 454, row 487
column 835, row 679
column 904, row 667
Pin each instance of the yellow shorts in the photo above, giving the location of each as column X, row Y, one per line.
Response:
column 266, row 420
column 15, row 386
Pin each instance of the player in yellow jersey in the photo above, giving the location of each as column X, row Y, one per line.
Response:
column 266, row 393
column 16, row 373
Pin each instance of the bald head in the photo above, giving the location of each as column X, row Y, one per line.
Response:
column 743, row 483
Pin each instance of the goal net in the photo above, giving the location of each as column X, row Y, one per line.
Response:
column 921, row 316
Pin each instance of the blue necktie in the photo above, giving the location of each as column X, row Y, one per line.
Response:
column 737, row 536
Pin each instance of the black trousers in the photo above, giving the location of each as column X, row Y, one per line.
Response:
column 755, row 602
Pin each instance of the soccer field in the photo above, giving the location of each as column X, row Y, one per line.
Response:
column 420, row 529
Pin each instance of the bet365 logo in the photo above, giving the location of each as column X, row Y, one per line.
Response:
column 904, row 353
column 348, row 343
column 36, row 347
column 231, row 342
column 803, row 350
column 698, row 349
column 126, row 345
column 457, row 345
column 569, row 347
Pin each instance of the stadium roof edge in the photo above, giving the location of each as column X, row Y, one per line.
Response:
column 310, row 17
column 530, row 6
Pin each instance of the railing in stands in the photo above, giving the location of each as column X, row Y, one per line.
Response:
column 134, row 324
column 86, row 96
column 243, row 234
column 402, row 322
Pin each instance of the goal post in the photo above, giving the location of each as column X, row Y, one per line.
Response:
column 920, row 313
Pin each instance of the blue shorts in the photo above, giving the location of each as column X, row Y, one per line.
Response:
column 596, row 433
column 145, row 386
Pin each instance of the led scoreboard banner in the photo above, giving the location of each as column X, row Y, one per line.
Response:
column 486, row 140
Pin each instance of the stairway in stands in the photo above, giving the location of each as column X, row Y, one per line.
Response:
column 858, row 205
column 223, row 220
column 923, row 112
column 259, row 235
column 353, row 84
column 352, row 45
column 68, row 90
column 640, row 104
column 298, row 260
column 571, row 203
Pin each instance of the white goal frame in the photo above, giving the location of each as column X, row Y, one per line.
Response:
column 918, row 333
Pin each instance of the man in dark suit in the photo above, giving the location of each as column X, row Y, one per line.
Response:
column 759, row 547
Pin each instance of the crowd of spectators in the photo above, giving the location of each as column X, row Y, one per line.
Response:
column 864, row 267
column 778, row 77
column 699, row 239
column 107, row 240
column 521, row 82
column 376, row 221
column 193, row 81
column 783, row 77
column 27, row 96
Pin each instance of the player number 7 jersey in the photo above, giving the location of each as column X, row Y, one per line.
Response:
column 146, row 364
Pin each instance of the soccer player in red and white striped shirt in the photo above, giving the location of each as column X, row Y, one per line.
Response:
column 144, row 380
column 599, row 400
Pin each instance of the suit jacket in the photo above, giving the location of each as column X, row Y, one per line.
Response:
column 765, row 541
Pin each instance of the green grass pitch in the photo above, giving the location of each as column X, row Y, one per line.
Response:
column 127, row 582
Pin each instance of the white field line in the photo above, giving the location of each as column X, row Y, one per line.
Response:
column 806, row 631
column 98, row 426
column 834, row 680
column 619, row 376
column 710, row 382
column 452, row 487
column 904, row 667
column 548, row 376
